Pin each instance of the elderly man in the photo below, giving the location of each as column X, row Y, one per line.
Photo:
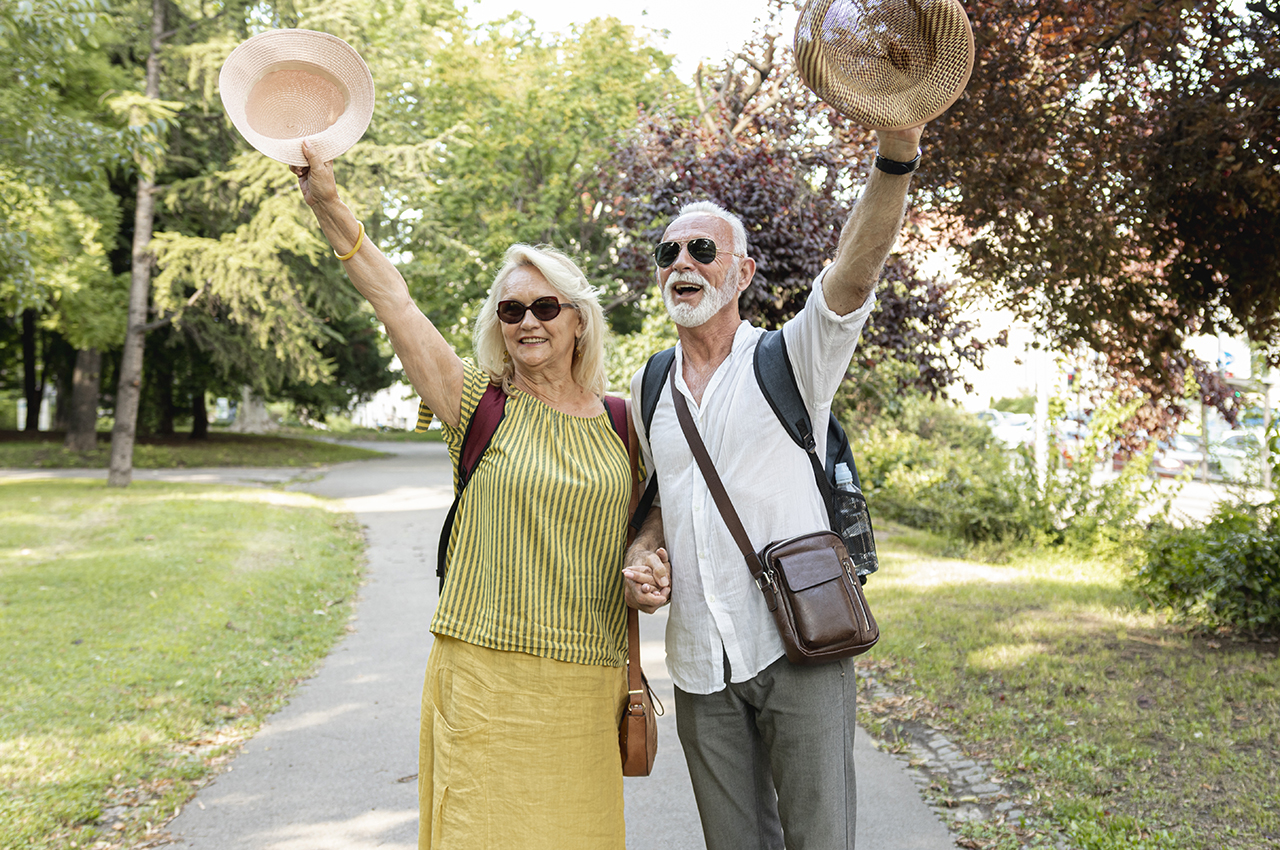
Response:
column 769, row 744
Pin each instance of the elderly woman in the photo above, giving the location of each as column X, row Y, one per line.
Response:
column 525, row 685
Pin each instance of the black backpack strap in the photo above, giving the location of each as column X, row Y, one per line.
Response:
column 480, row 430
column 655, row 375
column 777, row 382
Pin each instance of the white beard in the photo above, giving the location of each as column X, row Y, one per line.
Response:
column 713, row 300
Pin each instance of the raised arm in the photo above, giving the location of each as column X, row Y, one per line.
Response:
column 433, row 367
column 869, row 234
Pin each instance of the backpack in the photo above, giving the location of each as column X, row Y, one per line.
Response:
column 480, row 430
column 778, row 384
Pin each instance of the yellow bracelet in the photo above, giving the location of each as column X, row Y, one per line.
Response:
column 352, row 252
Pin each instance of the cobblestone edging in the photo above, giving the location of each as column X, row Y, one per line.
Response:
column 956, row 788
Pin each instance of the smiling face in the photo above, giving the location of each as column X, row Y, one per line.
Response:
column 695, row 292
column 534, row 345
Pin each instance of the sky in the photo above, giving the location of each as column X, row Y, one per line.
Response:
column 698, row 30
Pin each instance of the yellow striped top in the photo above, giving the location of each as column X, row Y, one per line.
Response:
column 535, row 555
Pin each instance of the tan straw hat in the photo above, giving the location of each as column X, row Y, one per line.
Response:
column 887, row 64
column 283, row 86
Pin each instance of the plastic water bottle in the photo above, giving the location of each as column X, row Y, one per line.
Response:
column 855, row 522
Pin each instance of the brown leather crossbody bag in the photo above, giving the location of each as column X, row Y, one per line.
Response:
column 809, row 582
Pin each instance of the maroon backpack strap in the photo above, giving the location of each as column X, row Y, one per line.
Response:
column 480, row 430
column 617, row 408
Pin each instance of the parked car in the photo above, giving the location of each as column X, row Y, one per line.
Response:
column 1177, row 456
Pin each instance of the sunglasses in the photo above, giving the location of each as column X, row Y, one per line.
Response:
column 543, row 309
column 703, row 250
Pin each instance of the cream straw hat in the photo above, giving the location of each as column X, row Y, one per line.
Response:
column 283, row 86
column 887, row 64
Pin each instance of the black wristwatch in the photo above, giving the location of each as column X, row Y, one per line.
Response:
column 892, row 166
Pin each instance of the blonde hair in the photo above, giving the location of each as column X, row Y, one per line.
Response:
column 566, row 279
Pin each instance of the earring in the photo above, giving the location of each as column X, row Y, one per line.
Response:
column 506, row 357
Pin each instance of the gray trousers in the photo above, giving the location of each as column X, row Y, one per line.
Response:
column 773, row 757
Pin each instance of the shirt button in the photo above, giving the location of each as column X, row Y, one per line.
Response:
column 711, row 598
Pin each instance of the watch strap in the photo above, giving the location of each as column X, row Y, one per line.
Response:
column 893, row 166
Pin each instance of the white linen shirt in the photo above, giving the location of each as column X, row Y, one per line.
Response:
column 714, row 601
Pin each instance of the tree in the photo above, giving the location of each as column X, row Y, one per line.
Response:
column 762, row 146
column 56, row 219
column 1114, row 170
column 496, row 141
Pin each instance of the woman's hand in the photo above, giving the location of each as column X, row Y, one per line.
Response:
column 315, row 180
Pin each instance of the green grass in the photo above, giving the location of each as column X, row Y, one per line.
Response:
column 145, row 633
column 44, row 451
column 340, row 430
column 1122, row 730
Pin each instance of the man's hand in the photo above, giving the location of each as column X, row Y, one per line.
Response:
column 647, row 579
column 900, row 145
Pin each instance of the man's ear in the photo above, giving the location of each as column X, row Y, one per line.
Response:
column 748, row 272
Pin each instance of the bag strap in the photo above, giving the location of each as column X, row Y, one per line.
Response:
column 777, row 380
column 655, row 372
column 712, row 479
column 480, row 430
column 635, row 687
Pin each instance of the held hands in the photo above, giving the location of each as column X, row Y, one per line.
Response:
column 647, row 580
column 315, row 180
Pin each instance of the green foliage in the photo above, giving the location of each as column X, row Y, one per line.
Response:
column 936, row 468
column 146, row 633
column 1225, row 573
column 502, row 146
column 1021, row 404
column 631, row 351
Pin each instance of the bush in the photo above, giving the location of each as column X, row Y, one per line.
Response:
column 938, row 468
column 8, row 414
column 1226, row 573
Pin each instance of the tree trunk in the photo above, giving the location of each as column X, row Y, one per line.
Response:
column 252, row 416
column 129, row 388
column 82, row 430
column 199, row 415
column 31, row 389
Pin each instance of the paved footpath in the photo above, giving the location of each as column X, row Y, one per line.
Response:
column 336, row 767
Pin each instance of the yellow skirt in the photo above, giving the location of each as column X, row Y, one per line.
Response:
column 518, row 751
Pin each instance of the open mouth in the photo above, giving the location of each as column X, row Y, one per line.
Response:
column 686, row 288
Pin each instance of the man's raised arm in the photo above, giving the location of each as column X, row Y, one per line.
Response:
column 873, row 225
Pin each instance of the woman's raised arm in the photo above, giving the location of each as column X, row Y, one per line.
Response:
column 433, row 367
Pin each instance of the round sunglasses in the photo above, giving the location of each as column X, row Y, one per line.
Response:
column 703, row 250
column 543, row 309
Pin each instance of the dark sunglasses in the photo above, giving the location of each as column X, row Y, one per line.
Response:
column 703, row 250
column 543, row 309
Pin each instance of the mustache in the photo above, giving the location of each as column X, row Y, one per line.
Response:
column 687, row 277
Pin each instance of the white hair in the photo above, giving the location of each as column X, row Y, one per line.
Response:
column 566, row 279
column 713, row 209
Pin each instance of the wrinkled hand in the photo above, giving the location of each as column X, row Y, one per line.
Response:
column 647, row 580
column 315, row 180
